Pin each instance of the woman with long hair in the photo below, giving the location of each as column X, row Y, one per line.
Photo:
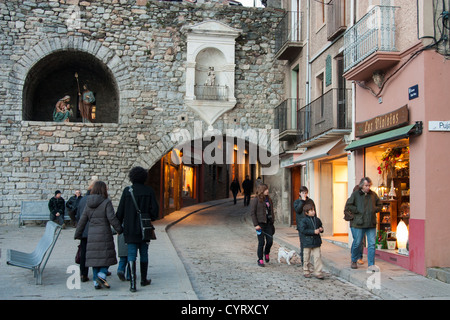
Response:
column 100, row 249
column 261, row 210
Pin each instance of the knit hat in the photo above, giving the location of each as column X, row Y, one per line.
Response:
column 57, row 191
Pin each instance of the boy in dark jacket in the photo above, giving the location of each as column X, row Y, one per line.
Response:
column 299, row 213
column 311, row 228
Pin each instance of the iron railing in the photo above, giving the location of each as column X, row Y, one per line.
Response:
column 286, row 115
column 375, row 31
column 330, row 111
column 289, row 29
column 218, row 93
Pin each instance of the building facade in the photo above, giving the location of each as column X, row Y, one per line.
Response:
column 365, row 96
column 148, row 65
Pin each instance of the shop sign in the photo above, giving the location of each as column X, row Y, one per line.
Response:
column 383, row 123
column 438, row 125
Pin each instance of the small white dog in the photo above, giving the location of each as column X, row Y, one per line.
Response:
column 287, row 255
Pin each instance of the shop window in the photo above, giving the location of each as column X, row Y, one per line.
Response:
column 388, row 166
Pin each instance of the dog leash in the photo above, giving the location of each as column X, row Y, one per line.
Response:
column 266, row 233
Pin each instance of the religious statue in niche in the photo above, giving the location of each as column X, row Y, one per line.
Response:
column 86, row 103
column 63, row 110
column 211, row 77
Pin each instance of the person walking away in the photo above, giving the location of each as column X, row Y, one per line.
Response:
column 311, row 228
column 72, row 205
column 56, row 205
column 84, row 271
column 235, row 188
column 263, row 218
column 129, row 218
column 100, row 249
column 299, row 204
column 364, row 204
column 247, row 186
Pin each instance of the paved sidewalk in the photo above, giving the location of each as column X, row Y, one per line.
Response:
column 169, row 278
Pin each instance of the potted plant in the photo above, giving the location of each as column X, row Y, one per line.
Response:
column 381, row 239
column 391, row 241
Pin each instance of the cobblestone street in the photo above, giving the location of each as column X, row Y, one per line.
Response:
column 218, row 249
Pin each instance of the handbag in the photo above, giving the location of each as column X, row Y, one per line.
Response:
column 147, row 228
column 78, row 255
column 348, row 215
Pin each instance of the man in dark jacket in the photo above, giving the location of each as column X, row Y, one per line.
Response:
column 364, row 204
column 129, row 218
column 247, row 186
column 235, row 188
column 72, row 205
column 56, row 205
column 299, row 204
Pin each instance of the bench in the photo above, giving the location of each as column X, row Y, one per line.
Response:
column 36, row 260
column 35, row 210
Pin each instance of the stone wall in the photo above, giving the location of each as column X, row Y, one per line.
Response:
column 144, row 50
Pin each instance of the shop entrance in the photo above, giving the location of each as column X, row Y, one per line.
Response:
column 332, row 197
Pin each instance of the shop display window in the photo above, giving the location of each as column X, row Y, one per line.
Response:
column 388, row 166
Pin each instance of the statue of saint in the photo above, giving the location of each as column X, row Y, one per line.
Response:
column 211, row 78
column 63, row 110
column 86, row 104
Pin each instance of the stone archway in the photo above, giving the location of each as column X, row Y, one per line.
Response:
column 53, row 77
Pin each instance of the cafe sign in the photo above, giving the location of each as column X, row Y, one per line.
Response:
column 383, row 123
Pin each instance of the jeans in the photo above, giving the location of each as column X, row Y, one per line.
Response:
column 301, row 247
column 263, row 238
column 123, row 267
column 247, row 199
column 133, row 249
column 99, row 270
column 358, row 235
column 234, row 196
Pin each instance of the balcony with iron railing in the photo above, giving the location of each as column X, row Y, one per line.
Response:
column 328, row 117
column 286, row 119
column 288, row 36
column 205, row 92
column 370, row 44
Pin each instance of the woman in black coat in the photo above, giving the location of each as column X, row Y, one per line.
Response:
column 262, row 214
column 100, row 249
column 129, row 217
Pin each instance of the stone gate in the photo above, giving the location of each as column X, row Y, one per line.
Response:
column 134, row 58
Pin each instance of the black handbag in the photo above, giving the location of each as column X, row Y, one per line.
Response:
column 147, row 228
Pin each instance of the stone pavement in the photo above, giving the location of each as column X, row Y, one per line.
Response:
column 169, row 278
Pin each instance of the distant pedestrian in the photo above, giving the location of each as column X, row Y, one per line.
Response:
column 72, row 206
column 364, row 204
column 235, row 188
column 56, row 205
column 263, row 217
column 129, row 217
column 311, row 228
column 100, row 250
column 299, row 204
column 247, row 186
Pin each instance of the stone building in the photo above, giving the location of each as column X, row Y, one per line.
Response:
column 135, row 56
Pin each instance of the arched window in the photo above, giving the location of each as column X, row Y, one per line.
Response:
column 53, row 78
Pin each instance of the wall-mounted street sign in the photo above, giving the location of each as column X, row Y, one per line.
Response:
column 413, row 92
column 383, row 123
column 438, row 125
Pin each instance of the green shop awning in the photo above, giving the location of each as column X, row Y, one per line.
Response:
column 396, row 134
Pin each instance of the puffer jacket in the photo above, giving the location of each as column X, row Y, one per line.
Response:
column 364, row 207
column 100, row 250
column 307, row 227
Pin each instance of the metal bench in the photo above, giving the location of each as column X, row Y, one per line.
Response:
column 35, row 210
column 36, row 260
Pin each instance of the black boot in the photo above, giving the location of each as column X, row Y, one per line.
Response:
column 132, row 266
column 144, row 281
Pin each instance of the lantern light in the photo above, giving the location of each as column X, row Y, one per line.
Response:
column 402, row 238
